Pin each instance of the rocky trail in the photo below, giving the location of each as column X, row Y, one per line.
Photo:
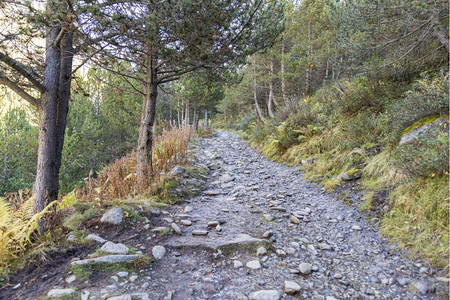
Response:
column 258, row 231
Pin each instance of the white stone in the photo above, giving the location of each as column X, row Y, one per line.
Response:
column 122, row 274
column 356, row 228
column 176, row 228
column 188, row 209
column 85, row 295
column 265, row 295
column 305, row 268
column 158, row 252
column 106, row 259
column 261, row 251
column 237, row 264
column 96, row 238
column 60, row 292
column 111, row 247
column 121, row 297
column 113, row 216
column 254, row 265
column 291, row 287
column 186, row 222
column 71, row 278
column 133, row 278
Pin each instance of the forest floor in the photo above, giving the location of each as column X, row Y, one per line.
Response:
column 264, row 233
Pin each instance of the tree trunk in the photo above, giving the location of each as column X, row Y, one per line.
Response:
column 283, row 82
column 270, row 99
column 145, row 137
column 195, row 120
column 205, row 123
column 255, row 96
column 53, row 109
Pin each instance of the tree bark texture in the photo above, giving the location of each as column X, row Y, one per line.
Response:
column 287, row 102
column 145, row 136
column 53, row 109
column 270, row 99
column 255, row 95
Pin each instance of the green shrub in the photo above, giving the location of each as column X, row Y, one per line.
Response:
column 426, row 155
column 245, row 122
column 429, row 97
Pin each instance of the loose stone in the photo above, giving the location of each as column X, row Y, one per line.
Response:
column 111, row 247
column 176, row 228
column 186, row 222
column 237, row 264
column 113, row 216
column 158, row 252
column 265, row 295
column 305, row 268
column 295, row 220
column 199, row 232
column 291, row 287
column 60, row 292
column 254, row 265
column 261, row 251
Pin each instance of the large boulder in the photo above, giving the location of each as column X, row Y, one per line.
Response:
column 113, row 216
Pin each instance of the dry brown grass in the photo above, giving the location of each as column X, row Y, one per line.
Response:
column 118, row 180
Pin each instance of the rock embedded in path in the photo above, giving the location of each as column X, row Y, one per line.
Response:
column 158, row 252
column 176, row 228
column 121, row 297
column 305, row 268
column 111, row 247
column 265, row 295
column 421, row 286
column 71, row 279
column 295, row 220
column 96, row 238
column 213, row 223
column 291, row 287
column 254, row 265
column 188, row 209
column 60, row 292
column 237, row 264
column 107, row 259
column 212, row 193
column 278, row 208
column 113, row 216
column 186, row 222
column 261, row 251
column 199, row 232
column 356, row 228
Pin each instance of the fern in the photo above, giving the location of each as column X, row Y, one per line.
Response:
column 17, row 228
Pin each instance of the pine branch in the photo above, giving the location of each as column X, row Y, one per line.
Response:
column 22, row 93
column 22, row 69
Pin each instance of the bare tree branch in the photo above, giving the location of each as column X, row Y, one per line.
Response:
column 13, row 86
column 21, row 68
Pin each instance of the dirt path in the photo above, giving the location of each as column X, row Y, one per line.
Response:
column 342, row 256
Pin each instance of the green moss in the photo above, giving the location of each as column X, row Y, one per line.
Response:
column 85, row 271
column 73, row 220
column 421, row 123
column 352, row 172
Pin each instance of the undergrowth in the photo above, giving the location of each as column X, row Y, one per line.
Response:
column 357, row 125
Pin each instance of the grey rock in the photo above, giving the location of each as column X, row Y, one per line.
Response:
column 158, row 252
column 111, row 247
column 199, row 232
column 96, row 238
column 106, row 259
column 421, row 130
column 265, row 295
column 188, row 209
column 403, row 281
column 121, row 297
column 261, row 251
column 291, row 287
column 212, row 193
column 186, row 222
column 177, row 170
column 356, row 228
column 351, row 175
column 278, row 208
column 253, row 264
column 60, row 292
column 280, row 252
column 237, row 264
column 305, row 268
column 213, row 223
column 113, row 216
column 295, row 220
column 218, row 228
column 71, row 279
column 122, row 274
column 421, row 286
column 71, row 237
column 85, row 295
column 133, row 278
column 176, row 228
